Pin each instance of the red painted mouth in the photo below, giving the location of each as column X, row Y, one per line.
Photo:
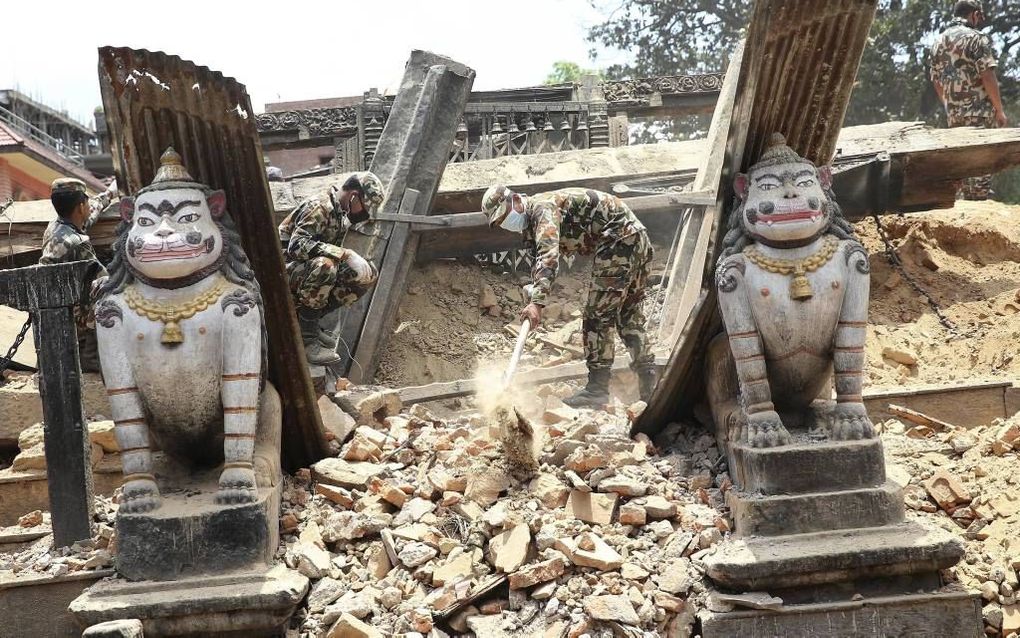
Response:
column 167, row 253
column 779, row 218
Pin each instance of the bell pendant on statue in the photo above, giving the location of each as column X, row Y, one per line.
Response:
column 800, row 287
column 171, row 333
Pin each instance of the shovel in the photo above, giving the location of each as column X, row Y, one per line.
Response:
column 511, row 368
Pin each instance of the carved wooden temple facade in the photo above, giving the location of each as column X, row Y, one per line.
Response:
column 336, row 135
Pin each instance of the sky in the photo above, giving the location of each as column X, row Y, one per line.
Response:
column 295, row 50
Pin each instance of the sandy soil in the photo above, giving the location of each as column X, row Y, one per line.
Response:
column 967, row 258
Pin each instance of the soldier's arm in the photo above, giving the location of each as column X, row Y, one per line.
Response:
column 97, row 205
column 306, row 238
column 547, row 252
column 991, row 84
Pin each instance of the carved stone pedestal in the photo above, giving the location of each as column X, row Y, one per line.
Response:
column 191, row 535
column 239, row 604
column 818, row 525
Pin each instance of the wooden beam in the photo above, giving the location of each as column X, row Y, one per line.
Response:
column 48, row 294
column 410, row 159
column 216, row 137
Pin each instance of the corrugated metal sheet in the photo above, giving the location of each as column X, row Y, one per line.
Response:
column 154, row 100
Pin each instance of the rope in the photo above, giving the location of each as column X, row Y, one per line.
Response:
column 895, row 262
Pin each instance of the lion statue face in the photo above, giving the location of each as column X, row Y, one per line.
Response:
column 173, row 232
column 785, row 203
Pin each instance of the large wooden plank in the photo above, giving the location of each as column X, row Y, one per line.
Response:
column 65, row 433
column 412, row 154
column 155, row 100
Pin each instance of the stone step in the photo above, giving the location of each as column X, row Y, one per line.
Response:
column 770, row 562
column 190, row 535
column 808, row 466
column 930, row 615
column 756, row 515
column 244, row 603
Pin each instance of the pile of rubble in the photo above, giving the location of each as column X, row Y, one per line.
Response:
column 423, row 525
column 966, row 481
column 40, row 558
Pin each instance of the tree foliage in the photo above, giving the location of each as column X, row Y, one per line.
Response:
column 564, row 72
column 670, row 37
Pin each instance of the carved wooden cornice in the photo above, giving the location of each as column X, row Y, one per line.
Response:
column 318, row 122
column 640, row 90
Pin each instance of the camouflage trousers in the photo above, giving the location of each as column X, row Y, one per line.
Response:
column 323, row 282
column 615, row 302
column 979, row 187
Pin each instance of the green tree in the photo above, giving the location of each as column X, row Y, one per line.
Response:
column 564, row 72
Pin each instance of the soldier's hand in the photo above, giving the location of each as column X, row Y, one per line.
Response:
column 1001, row 120
column 533, row 313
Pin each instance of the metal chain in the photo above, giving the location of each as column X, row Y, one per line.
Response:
column 13, row 350
column 894, row 260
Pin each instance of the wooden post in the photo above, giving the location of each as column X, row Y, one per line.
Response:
column 48, row 293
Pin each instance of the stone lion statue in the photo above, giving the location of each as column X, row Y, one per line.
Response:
column 182, row 344
column 793, row 286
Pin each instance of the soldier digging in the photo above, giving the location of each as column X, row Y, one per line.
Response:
column 323, row 275
column 963, row 72
column 580, row 221
column 65, row 240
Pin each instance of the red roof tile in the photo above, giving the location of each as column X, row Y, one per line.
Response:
column 8, row 137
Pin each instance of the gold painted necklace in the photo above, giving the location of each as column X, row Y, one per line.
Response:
column 171, row 314
column 800, row 287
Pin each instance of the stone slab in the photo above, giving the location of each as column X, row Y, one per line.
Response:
column 764, row 563
column 755, row 515
column 37, row 606
column 239, row 604
column 23, row 492
column 936, row 615
column 191, row 534
column 808, row 467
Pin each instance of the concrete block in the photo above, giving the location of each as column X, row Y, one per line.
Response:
column 190, row 534
column 755, row 515
column 254, row 603
column 768, row 563
column 809, row 467
column 934, row 615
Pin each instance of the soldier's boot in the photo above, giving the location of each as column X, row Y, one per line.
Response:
column 647, row 377
column 328, row 332
column 315, row 352
column 595, row 394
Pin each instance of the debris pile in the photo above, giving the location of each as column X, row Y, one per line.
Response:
column 966, row 481
column 422, row 523
column 40, row 558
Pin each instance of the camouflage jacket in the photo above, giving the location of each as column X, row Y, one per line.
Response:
column 63, row 241
column 311, row 226
column 958, row 58
column 572, row 221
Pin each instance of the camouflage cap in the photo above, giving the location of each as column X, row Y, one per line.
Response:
column 372, row 190
column 67, row 185
column 493, row 203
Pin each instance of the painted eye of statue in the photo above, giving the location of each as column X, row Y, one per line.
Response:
column 145, row 221
column 804, row 183
column 767, row 186
column 187, row 219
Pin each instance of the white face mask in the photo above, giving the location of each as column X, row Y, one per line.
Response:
column 514, row 222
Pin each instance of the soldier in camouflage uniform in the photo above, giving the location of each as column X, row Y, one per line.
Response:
column 963, row 72
column 576, row 220
column 323, row 275
column 65, row 240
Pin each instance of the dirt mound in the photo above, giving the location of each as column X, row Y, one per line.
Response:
column 968, row 260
